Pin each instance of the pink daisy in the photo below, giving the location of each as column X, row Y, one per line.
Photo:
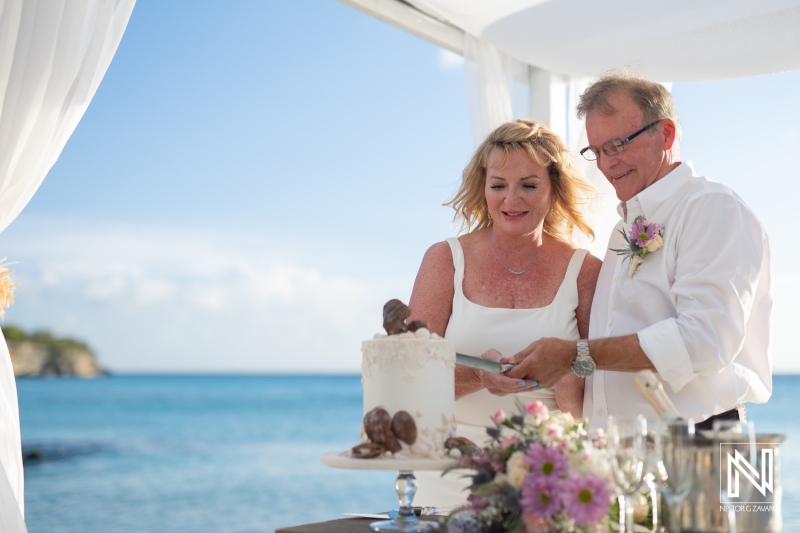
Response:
column 540, row 496
column 643, row 232
column 587, row 499
column 549, row 460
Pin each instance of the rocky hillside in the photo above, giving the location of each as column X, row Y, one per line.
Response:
column 42, row 354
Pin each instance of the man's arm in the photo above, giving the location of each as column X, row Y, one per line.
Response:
column 551, row 359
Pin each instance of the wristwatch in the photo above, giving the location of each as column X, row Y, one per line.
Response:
column 583, row 365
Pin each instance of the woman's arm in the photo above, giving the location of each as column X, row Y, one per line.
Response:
column 569, row 389
column 432, row 296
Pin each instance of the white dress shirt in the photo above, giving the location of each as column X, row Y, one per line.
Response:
column 701, row 305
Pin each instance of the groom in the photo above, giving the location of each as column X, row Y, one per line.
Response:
column 685, row 286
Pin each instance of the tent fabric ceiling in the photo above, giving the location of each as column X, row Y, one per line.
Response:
column 680, row 40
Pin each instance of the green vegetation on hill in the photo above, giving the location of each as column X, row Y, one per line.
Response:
column 14, row 333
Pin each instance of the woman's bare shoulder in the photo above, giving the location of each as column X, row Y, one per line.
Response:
column 438, row 254
column 591, row 263
column 590, row 270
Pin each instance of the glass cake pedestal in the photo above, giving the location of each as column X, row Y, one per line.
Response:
column 405, row 485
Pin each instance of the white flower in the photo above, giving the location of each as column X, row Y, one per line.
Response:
column 532, row 421
column 554, row 431
column 591, row 461
column 635, row 262
column 655, row 243
column 516, row 469
column 564, row 418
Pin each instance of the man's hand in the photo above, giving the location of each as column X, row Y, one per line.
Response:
column 503, row 384
column 546, row 361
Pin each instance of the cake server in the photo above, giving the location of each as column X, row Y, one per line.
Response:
column 482, row 364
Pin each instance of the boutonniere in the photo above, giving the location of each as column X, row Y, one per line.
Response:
column 644, row 237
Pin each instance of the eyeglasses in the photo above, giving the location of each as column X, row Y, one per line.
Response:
column 614, row 146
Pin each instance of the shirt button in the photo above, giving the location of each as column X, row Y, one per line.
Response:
column 599, row 411
column 616, row 279
column 610, row 322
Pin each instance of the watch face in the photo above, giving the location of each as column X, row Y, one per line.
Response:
column 583, row 366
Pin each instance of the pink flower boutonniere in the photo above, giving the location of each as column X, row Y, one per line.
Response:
column 644, row 237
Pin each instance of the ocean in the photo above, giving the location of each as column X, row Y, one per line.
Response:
column 143, row 453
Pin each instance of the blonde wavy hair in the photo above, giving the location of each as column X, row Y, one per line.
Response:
column 545, row 148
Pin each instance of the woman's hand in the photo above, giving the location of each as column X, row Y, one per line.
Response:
column 500, row 384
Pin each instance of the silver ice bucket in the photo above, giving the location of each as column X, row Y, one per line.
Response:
column 714, row 498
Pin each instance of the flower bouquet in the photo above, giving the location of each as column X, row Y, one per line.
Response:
column 541, row 472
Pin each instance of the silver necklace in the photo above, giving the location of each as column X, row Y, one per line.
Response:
column 511, row 270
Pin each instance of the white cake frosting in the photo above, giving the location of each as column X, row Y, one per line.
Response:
column 413, row 372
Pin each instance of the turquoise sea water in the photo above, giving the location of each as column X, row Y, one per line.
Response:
column 232, row 453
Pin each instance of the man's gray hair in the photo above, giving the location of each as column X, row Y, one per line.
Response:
column 652, row 98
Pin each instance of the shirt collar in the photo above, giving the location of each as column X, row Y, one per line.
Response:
column 649, row 200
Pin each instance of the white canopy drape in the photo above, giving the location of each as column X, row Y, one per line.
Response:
column 53, row 55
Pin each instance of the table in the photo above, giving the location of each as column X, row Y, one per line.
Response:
column 343, row 525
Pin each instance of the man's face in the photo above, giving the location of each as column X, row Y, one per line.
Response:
column 644, row 160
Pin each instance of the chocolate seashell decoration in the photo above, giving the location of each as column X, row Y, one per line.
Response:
column 377, row 426
column 392, row 444
column 460, row 443
column 367, row 450
column 395, row 314
column 404, row 427
column 414, row 325
column 385, row 432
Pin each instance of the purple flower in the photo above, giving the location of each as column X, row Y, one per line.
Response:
column 642, row 231
column 547, row 460
column 587, row 499
column 540, row 496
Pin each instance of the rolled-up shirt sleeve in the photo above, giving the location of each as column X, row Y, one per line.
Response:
column 718, row 257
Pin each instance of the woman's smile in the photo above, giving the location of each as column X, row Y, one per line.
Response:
column 513, row 215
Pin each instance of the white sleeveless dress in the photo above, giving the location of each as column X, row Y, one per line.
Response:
column 476, row 329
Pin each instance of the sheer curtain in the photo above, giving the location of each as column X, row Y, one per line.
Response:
column 490, row 76
column 53, row 55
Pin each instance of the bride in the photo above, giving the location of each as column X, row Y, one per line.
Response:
column 514, row 276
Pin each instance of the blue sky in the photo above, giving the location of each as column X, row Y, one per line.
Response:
column 253, row 180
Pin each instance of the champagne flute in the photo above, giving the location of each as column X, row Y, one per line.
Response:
column 674, row 449
column 626, row 450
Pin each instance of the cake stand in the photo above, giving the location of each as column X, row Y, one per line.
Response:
column 405, row 485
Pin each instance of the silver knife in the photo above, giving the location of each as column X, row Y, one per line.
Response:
column 482, row 364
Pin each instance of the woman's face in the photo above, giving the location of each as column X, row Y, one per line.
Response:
column 519, row 194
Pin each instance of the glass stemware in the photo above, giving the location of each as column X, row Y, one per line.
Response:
column 674, row 450
column 627, row 451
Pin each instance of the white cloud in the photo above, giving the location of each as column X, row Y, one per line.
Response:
column 178, row 299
